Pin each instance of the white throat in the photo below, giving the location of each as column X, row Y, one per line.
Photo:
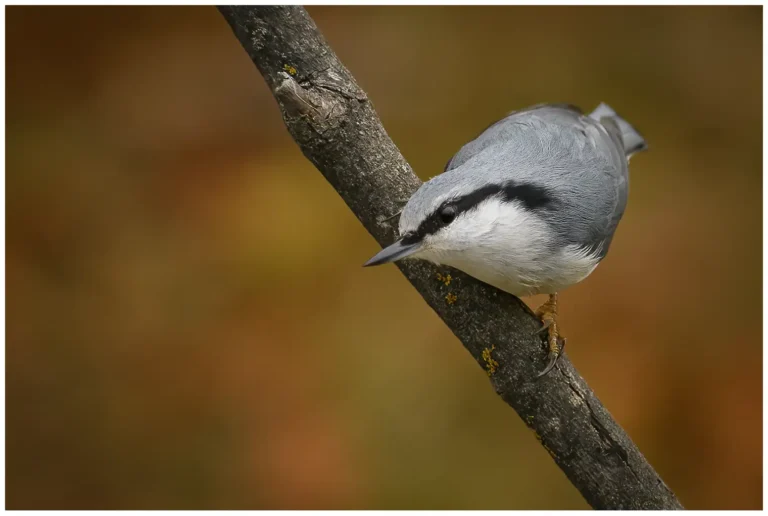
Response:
column 509, row 247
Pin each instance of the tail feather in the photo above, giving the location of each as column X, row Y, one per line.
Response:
column 633, row 141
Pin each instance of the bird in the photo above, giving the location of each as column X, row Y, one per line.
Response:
column 530, row 206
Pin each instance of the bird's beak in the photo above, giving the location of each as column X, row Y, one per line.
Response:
column 393, row 253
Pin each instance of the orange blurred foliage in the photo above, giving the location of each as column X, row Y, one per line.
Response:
column 188, row 324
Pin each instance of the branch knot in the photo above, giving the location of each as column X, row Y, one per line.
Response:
column 296, row 100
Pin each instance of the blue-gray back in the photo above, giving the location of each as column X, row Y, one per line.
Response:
column 581, row 160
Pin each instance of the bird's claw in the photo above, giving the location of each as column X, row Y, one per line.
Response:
column 392, row 217
column 555, row 352
column 547, row 312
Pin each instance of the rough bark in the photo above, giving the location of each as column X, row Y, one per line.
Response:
column 337, row 129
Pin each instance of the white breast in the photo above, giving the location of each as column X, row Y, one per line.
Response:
column 510, row 248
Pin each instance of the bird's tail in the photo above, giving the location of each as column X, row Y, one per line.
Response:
column 632, row 139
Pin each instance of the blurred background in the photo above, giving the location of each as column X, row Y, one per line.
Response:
column 188, row 323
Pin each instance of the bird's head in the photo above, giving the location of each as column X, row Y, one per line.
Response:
column 449, row 216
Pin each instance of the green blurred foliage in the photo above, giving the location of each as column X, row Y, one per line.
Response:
column 188, row 324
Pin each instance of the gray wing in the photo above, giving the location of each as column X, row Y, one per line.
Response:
column 579, row 159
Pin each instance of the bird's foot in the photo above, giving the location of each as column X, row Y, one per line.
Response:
column 548, row 315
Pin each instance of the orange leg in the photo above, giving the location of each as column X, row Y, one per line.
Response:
column 548, row 315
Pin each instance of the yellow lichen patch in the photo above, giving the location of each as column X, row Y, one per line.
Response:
column 445, row 279
column 529, row 420
column 290, row 69
column 451, row 298
column 490, row 363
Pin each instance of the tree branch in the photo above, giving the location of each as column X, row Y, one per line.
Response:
column 337, row 129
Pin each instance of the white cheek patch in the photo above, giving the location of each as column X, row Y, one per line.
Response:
column 495, row 231
column 500, row 225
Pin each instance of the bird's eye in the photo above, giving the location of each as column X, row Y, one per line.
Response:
column 447, row 214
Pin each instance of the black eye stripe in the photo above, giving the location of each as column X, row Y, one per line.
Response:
column 532, row 196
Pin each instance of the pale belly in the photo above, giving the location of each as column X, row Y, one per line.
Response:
column 543, row 276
